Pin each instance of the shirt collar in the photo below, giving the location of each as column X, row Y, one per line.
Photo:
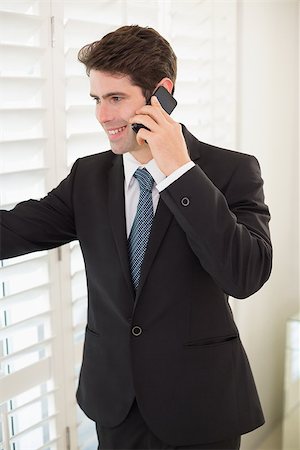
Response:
column 131, row 164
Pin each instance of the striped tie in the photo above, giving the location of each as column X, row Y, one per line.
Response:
column 140, row 231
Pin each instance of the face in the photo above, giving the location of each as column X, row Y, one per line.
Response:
column 117, row 100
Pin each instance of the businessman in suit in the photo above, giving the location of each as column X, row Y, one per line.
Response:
column 163, row 364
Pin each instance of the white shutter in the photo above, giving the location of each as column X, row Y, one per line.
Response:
column 203, row 34
column 29, row 385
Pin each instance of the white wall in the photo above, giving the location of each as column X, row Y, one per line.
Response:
column 268, row 128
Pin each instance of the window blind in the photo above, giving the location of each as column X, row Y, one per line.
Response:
column 203, row 36
column 27, row 386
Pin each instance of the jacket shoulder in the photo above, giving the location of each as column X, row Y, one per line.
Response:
column 97, row 158
column 221, row 165
column 96, row 163
column 202, row 150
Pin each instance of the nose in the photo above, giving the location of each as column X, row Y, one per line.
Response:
column 104, row 112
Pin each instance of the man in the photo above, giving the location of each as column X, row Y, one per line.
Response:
column 163, row 365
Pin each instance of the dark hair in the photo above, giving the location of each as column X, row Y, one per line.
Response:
column 140, row 53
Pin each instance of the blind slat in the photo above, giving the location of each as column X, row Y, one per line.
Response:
column 44, row 345
column 11, row 385
column 34, row 321
column 27, row 294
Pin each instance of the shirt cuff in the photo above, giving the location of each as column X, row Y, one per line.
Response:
column 174, row 176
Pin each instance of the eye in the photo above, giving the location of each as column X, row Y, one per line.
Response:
column 116, row 99
column 95, row 99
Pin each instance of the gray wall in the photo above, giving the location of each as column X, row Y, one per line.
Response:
column 268, row 123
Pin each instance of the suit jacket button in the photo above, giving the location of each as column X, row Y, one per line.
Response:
column 136, row 331
column 185, row 201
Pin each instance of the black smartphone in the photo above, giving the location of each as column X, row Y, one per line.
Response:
column 166, row 100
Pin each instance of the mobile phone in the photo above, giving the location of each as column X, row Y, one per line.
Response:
column 166, row 100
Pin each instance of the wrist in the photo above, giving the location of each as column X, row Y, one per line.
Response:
column 171, row 168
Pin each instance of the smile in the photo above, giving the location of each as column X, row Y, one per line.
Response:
column 116, row 131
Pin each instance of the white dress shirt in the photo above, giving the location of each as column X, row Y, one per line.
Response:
column 132, row 189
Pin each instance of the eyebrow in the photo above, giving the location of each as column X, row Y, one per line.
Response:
column 110, row 94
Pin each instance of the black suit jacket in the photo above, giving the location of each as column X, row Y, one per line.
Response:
column 210, row 239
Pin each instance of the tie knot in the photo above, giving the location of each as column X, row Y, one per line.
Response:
column 144, row 178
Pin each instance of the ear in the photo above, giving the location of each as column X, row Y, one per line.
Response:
column 166, row 83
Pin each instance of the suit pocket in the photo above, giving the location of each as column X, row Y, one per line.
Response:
column 206, row 342
column 91, row 332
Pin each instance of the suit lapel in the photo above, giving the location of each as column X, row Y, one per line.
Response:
column 116, row 207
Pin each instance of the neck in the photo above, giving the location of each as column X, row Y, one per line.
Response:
column 143, row 154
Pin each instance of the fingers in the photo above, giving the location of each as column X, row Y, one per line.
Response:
column 155, row 111
column 157, row 105
column 145, row 120
column 142, row 136
column 154, row 117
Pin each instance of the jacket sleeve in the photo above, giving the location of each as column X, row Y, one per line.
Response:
column 35, row 225
column 228, row 231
